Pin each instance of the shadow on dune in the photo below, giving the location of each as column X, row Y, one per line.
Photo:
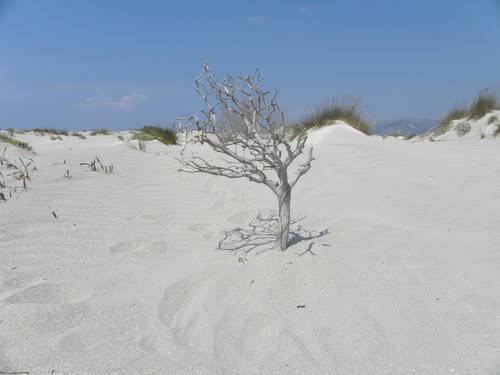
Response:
column 260, row 235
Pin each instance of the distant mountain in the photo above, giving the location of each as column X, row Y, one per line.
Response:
column 404, row 126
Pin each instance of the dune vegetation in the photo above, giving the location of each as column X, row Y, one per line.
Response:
column 346, row 109
column 485, row 102
column 79, row 135
column 155, row 132
column 44, row 131
column 99, row 132
column 10, row 140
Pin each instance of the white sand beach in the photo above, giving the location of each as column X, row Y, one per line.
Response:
column 394, row 262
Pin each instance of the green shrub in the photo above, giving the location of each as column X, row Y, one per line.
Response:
column 100, row 132
column 50, row 131
column 56, row 138
column 149, row 133
column 485, row 102
column 15, row 142
column 346, row 109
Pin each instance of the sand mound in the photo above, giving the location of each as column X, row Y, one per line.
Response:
column 336, row 132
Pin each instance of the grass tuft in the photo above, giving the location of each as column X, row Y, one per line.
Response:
column 15, row 142
column 485, row 102
column 96, row 166
column 142, row 145
column 79, row 135
column 346, row 109
column 100, row 132
column 20, row 172
column 150, row 133
column 458, row 112
column 44, row 131
column 492, row 120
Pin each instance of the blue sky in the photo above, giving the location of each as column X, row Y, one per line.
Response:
column 81, row 64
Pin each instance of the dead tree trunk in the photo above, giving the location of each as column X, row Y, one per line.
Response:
column 284, row 195
column 252, row 140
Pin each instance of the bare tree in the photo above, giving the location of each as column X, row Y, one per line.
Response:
column 244, row 124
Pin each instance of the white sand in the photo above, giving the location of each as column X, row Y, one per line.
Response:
column 127, row 279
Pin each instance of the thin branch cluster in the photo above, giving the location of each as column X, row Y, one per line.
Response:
column 244, row 124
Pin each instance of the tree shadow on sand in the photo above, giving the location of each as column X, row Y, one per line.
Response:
column 260, row 235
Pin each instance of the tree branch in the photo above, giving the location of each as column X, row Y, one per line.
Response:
column 304, row 168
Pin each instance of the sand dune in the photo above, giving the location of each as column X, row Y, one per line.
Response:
column 396, row 260
column 486, row 127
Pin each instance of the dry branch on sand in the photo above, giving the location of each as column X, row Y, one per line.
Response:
column 244, row 125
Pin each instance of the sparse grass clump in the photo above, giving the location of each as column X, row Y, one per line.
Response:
column 120, row 138
column 346, row 109
column 20, row 172
column 100, row 132
column 142, row 145
column 150, row 133
column 56, row 138
column 458, row 112
column 44, row 131
column 96, row 166
column 79, row 135
column 15, row 142
column 492, row 120
column 485, row 102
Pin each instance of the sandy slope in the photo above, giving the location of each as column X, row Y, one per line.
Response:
column 404, row 278
column 486, row 127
